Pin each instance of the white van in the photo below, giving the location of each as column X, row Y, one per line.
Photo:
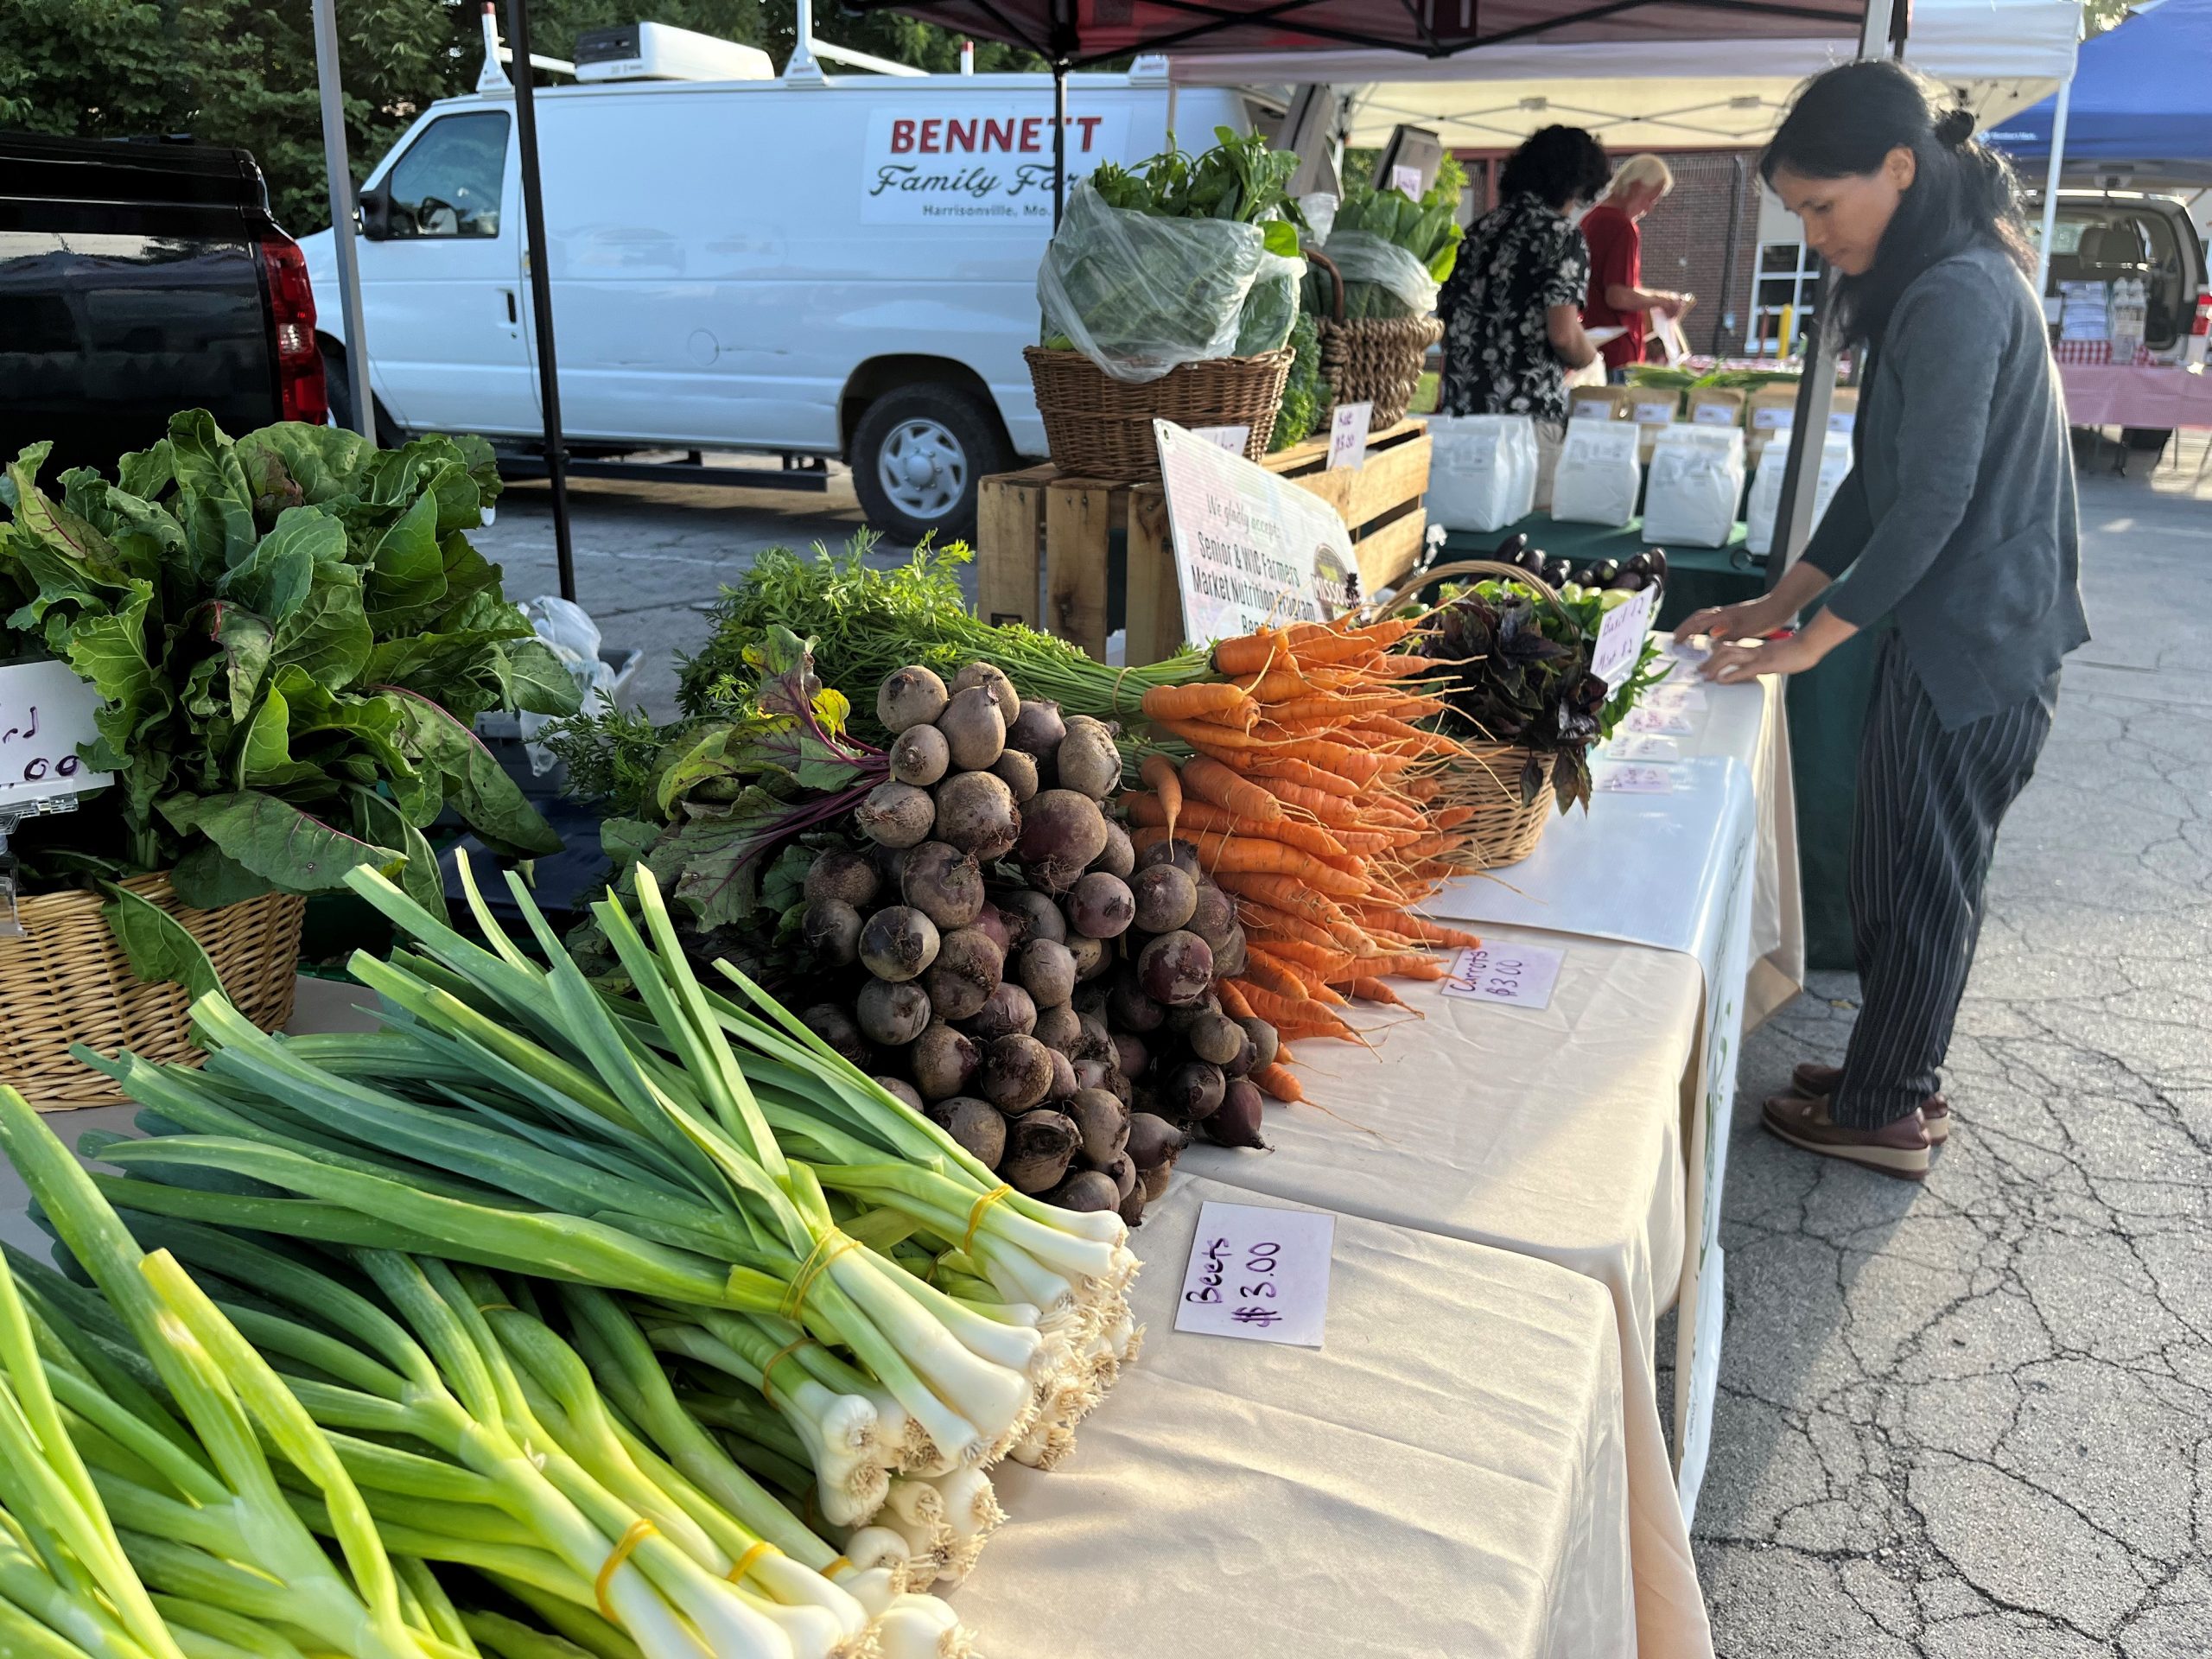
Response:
column 841, row 265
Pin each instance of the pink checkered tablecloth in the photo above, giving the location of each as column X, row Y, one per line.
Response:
column 2157, row 396
column 2094, row 351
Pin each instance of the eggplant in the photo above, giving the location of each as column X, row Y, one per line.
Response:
column 1603, row 572
column 1627, row 582
column 1658, row 557
column 1532, row 560
column 1558, row 572
column 1510, row 551
column 1638, row 566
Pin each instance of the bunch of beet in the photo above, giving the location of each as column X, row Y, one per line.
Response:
column 991, row 953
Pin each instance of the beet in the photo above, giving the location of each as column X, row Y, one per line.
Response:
column 1213, row 913
column 1058, row 1028
column 968, row 969
column 977, row 1125
column 1085, row 1189
column 1130, row 1009
column 1031, row 915
column 1193, row 1089
column 1183, row 856
column 896, row 815
column 944, row 883
column 974, row 725
column 832, row 931
column 1237, row 1122
column 1017, row 1072
column 1064, row 1085
column 1165, row 898
column 1230, row 960
column 844, row 876
column 1103, row 1123
column 1152, row 1184
column 1247, row 1057
column 897, row 943
column 1061, row 832
column 1263, row 1036
column 1038, row 729
column 919, row 755
column 892, row 1014
column 836, row 1028
column 1131, row 1208
column 1153, row 1140
column 1101, row 905
column 1018, row 773
column 1039, row 1147
column 1092, row 957
column 902, row 1089
column 1121, row 1172
column 1130, row 1054
column 1120, row 857
column 1175, row 968
column 912, row 696
column 1088, row 761
column 942, row 1061
column 1216, row 1038
column 993, row 922
column 1091, row 1072
column 976, row 812
column 1047, row 971
column 991, row 675
column 1008, row 1009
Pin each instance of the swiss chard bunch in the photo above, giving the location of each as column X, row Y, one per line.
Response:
column 294, row 637
column 1239, row 179
column 1393, row 251
column 1524, row 679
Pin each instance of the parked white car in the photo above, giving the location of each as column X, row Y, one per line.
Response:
column 839, row 266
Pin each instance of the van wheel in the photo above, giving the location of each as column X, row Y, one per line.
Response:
column 917, row 454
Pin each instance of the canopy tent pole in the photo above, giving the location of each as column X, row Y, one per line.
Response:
column 2051, row 184
column 338, row 173
column 1059, row 141
column 541, row 294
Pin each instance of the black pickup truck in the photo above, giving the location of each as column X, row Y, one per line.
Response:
column 138, row 279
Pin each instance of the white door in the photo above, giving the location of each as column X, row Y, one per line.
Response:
column 442, row 288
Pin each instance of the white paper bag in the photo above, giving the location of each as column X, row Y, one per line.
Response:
column 1765, row 506
column 1598, row 476
column 1697, row 478
column 1481, row 472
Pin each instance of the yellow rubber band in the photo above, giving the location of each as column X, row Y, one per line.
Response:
column 841, row 1565
column 640, row 1529
column 976, row 1216
column 745, row 1561
column 827, row 1248
column 782, row 1354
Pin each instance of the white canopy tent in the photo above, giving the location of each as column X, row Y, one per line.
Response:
column 1714, row 94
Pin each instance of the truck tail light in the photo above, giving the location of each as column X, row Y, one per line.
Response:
column 291, row 309
column 2202, row 322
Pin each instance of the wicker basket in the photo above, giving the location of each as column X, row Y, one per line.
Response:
column 1377, row 362
column 1508, row 818
column 67, row 981
column 1098, row 427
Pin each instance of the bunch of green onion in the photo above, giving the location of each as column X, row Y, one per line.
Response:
column 626, row 1303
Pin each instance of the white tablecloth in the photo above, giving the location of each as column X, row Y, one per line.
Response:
column 1445, row 1477
column 1554, row 1134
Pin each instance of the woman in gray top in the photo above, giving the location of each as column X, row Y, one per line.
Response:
column 1957, row 523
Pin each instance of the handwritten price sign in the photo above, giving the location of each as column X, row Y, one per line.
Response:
column 1516, row 974
column 46, row 711
column 1258, row 1275
column 1620, row 638
column 1637, row 780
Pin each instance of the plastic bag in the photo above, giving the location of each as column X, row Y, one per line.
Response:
column 1765, row 505
column 1697, row 478
column 567, row 628
column 1598, row 476
column 1140, row 296
column 1271, row 306
column 1482, row 470
column 1381, row 278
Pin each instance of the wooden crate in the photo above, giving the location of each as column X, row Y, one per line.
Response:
column 1041, row 539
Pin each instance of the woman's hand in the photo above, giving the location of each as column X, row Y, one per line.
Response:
column 1746, row 619
column 1740, row 664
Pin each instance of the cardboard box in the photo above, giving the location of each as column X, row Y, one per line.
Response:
column 1769, row 413
column 1595, row 403
column 1716, row 406
column 1652, row 408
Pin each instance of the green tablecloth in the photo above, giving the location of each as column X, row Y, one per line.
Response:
column 1827, row 707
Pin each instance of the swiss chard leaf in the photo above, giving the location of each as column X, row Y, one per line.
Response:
column 206, row 879
column 216, row 501
column 538, row 680
column 274, row 575
column 475, row 782
column 328, row 637
column 379, row 819
column 158, row 946
column 276, row 840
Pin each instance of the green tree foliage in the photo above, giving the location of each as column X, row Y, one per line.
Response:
column 243, row 72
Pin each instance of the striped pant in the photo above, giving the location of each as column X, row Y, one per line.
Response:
column 1929, row 803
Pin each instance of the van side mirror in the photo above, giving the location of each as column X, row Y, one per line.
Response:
column 373, row 213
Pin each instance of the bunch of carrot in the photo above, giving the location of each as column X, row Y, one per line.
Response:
column 1310, row 797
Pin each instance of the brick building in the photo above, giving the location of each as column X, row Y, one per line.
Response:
column 1705, row 239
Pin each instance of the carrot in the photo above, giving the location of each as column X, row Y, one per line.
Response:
column 1232, row 1001
column 1268, row 922
column 1206, row 737
column 1194, row 702
column 1417, row 927
column 1210, row 781
column 1283, row 892
column 1252, row 855
column 1409, row 965
column 1159, row 771
column 1325, row 958
column 1265, row 973
column 1253, row 653
column 1285, row 1014
column 1375, row 990
column 1286, row 770
column 1313, row 981
column 1276, row 1082
column 1148, row 811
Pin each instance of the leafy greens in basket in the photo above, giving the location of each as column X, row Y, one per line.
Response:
column 293, row 638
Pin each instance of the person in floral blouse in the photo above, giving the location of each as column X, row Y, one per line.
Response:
column 1512, row 309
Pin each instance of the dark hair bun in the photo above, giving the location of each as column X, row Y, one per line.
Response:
column 1954, row 127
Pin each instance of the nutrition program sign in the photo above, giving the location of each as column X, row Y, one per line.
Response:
column 980, row 162
column 1251, row 550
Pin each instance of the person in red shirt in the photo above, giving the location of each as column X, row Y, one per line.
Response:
column 1616, row 298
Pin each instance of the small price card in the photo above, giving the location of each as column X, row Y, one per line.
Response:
column 1348, row 436
column 1406, row 178
column 1658, row 723
column 1620, row 638
column 1628, row 746
column 1258, row 1274
column 1637, row 780
column 1517, row 975
column 1677, row 694
column 1231, row 438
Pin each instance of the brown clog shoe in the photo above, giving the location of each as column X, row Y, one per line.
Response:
column 1898, row 1149
column 1818, row 1082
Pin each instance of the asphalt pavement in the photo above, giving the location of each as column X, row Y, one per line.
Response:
column 1967, row 1421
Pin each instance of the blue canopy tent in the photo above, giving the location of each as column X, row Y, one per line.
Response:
column 2140, row 110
